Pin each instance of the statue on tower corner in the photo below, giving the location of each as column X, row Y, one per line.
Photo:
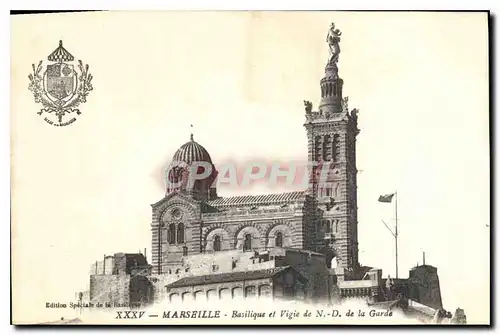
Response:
column 308, row 106
column 333, row 40
column 345, row 104
column 354, row 114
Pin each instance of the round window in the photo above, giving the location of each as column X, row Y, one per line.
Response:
column 176, row 214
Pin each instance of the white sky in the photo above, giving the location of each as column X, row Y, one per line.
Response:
column 420, row 81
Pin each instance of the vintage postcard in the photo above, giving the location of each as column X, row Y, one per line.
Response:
column 250, row 167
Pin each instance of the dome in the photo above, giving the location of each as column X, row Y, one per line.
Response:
column 178, row 176
column 192, row 152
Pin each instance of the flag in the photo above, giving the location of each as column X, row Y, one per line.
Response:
column 386, row 198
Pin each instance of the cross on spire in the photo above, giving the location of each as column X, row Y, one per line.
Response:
column 191, row 137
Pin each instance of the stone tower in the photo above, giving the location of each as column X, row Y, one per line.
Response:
column 331, row 133
column 424, row 284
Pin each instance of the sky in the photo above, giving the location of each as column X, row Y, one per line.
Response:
column 420, row 81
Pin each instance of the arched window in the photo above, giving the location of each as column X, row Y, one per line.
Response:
column 171, row 233
column 212, row 295
column 327, row 227
column 180, row 233
column 278, row 239
column 247, row 242
column 317, row 148
column 336, row 147
column 333, row 263
column 199, row 296
column 250, row 291
column 174, row 297
column 184, row 178
column 327, row 144
column 216, row 243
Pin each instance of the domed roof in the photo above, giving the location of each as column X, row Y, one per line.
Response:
column 192, row 152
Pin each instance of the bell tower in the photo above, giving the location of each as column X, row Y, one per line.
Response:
column 331, row 133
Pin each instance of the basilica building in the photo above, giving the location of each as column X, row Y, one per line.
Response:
column 293, row 245
column 193, row 219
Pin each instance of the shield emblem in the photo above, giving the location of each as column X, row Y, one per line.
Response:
column 60, row 80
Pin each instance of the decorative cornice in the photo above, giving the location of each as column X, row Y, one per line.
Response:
column 175, row 194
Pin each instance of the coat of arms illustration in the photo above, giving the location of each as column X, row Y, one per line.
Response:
column 60, row 87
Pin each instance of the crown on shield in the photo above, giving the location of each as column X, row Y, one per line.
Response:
column 60, row 55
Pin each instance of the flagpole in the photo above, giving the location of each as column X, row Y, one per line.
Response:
column 396, row 234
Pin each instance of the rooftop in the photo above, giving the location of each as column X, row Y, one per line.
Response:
column 228, row 277
column 261, row 199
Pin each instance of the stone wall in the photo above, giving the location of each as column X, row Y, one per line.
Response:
column 312, row 266
column 110, row 288
column 141, row 291
column 122, row 290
